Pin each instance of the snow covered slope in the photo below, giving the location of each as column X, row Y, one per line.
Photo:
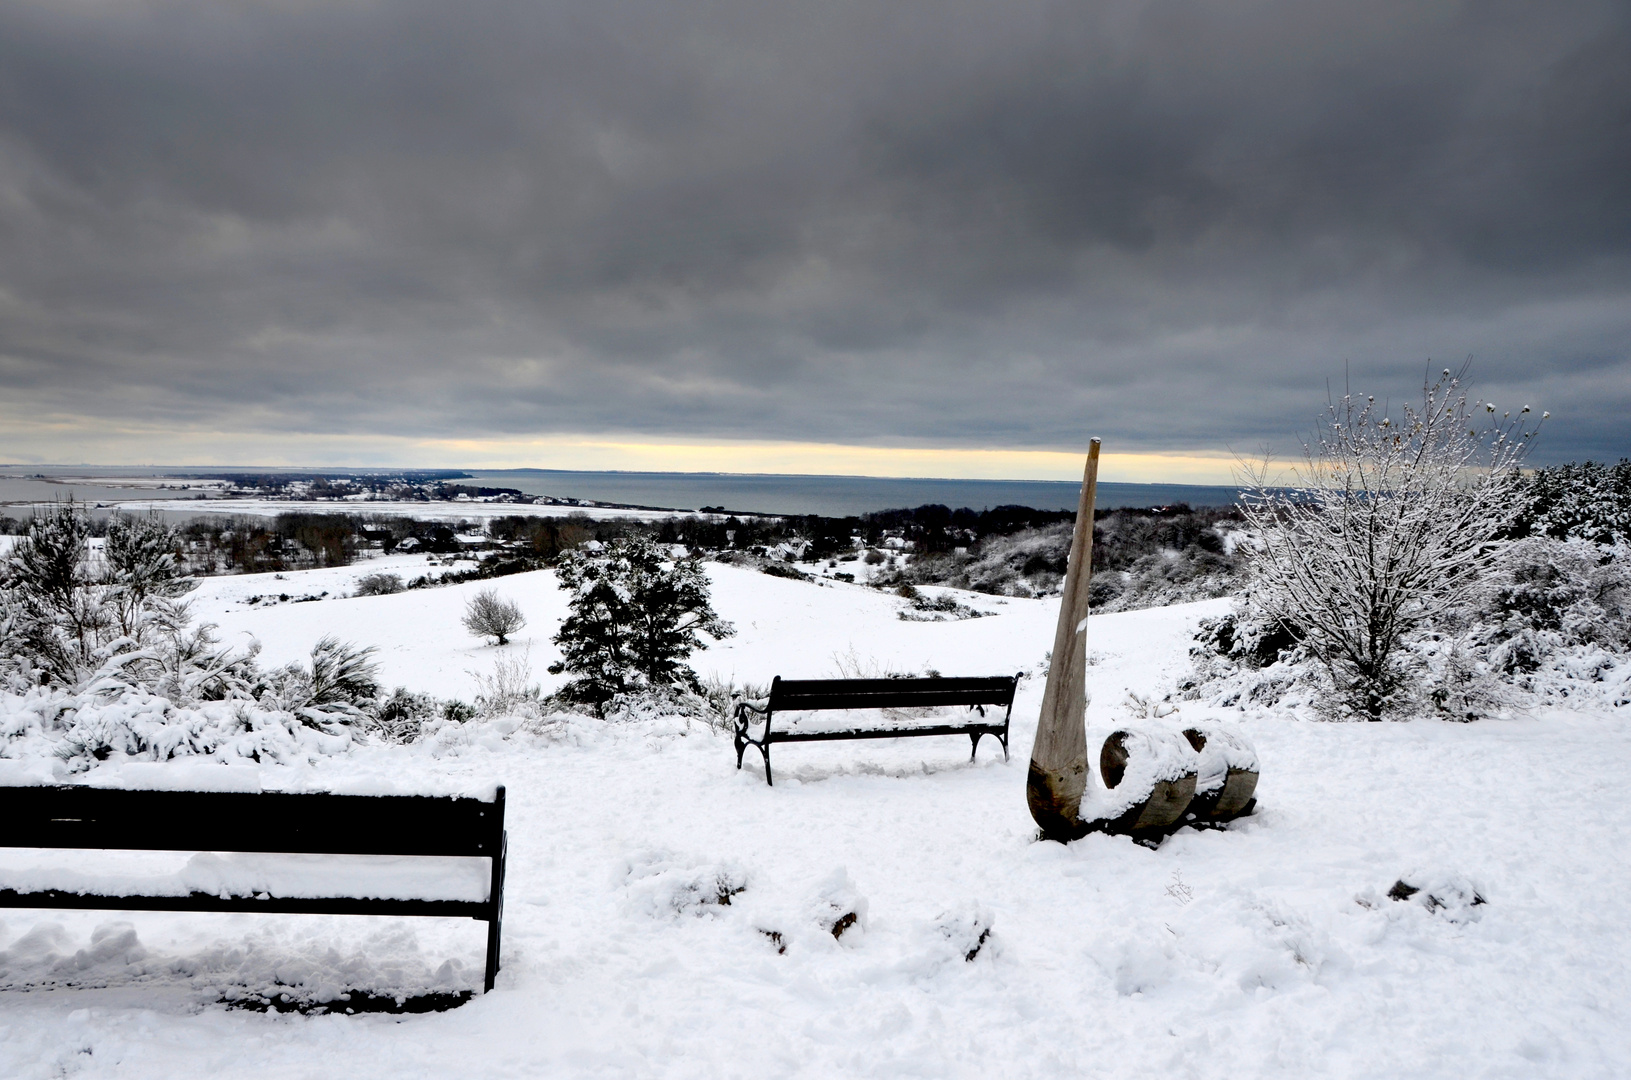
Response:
column 1268, row 950
column 784, row 627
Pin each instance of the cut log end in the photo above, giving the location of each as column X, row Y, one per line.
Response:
column 1056, row 800
column 1228, row 775
column 1113, row 759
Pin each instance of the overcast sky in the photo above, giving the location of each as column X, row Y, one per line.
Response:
column 489, row 232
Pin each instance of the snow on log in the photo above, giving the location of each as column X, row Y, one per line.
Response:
column 1226, row 777
column 1149, row 780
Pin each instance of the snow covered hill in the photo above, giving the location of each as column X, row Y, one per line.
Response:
column 1268, row 950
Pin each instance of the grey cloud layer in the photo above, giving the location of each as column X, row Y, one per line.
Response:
column 946, row 224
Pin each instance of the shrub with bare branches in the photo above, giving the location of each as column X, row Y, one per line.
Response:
column 1388, row 524
column 488, row 615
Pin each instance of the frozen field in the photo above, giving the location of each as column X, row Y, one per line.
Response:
column 1268, row 950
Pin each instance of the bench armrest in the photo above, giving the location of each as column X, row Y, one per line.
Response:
column 746, row 712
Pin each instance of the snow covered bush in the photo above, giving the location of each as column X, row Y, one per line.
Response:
column 69, row 612
column 1027, row 563
column 98, row 661
column 379, row 584
column 1141, row 558
column 73, row 732
column 1554, row 619
column 1386, row 527
column 1550, row 625
column 487, row 615
column 636, row 617
column 340, row 685
column 403, row 714
column 509, row 690
column 1588, row 501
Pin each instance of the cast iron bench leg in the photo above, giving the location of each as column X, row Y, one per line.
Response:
column 496, row 894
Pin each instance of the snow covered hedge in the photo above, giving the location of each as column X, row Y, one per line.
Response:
column 73, row 732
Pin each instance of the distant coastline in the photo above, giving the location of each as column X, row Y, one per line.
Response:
column 764, row 493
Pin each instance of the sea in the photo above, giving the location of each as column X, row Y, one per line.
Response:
column 763, row 493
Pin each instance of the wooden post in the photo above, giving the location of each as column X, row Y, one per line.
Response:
column 1058, row 775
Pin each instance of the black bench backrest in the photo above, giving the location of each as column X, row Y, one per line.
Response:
column 791, row 694
column 318, row 824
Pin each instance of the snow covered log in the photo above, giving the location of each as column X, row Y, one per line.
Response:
column 1149, row 780
column 1226, row 779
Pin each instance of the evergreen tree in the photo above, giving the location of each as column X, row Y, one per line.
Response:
column 636, row 617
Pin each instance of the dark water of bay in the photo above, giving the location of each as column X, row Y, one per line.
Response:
column 834, row 496
column 766, row 493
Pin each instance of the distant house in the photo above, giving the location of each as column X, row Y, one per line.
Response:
column 410, row 544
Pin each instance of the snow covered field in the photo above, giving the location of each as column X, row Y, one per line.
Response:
column 1270, row 949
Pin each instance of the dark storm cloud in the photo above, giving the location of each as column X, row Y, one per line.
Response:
column 944, row 224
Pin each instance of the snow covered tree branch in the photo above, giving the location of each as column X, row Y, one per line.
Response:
column 1386, row 525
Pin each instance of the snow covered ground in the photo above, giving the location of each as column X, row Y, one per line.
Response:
column 784, row 626
column 1270, row 949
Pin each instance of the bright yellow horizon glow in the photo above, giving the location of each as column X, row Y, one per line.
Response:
column 64, row 441
column 835, row 460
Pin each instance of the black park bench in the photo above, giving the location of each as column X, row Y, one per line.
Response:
column 260, row 822
column 889, row 695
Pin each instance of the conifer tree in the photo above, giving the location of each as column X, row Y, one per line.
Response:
column 636, row 617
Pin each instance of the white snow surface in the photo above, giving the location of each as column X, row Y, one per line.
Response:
column 238, row 874
column 1269, row 949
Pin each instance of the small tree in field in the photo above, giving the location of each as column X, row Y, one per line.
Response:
column 486, row 615
column 1387, row 525
column 636, row 617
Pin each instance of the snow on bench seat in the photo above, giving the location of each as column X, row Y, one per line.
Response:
column 367, row 877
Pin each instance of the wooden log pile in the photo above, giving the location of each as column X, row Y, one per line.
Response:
column 1156, row 780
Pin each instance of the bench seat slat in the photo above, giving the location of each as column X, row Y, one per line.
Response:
column 316, row 824
column 872, row 686
column 881, row 700
column 793, row 692
column 903, row 732
column 323, row 905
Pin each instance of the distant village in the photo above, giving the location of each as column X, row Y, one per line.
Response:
column 416, row 486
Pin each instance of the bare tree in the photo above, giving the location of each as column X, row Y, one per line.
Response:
column 1386, row 525
column 488, row 616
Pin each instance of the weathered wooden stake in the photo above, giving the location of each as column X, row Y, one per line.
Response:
column 1058, row 775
